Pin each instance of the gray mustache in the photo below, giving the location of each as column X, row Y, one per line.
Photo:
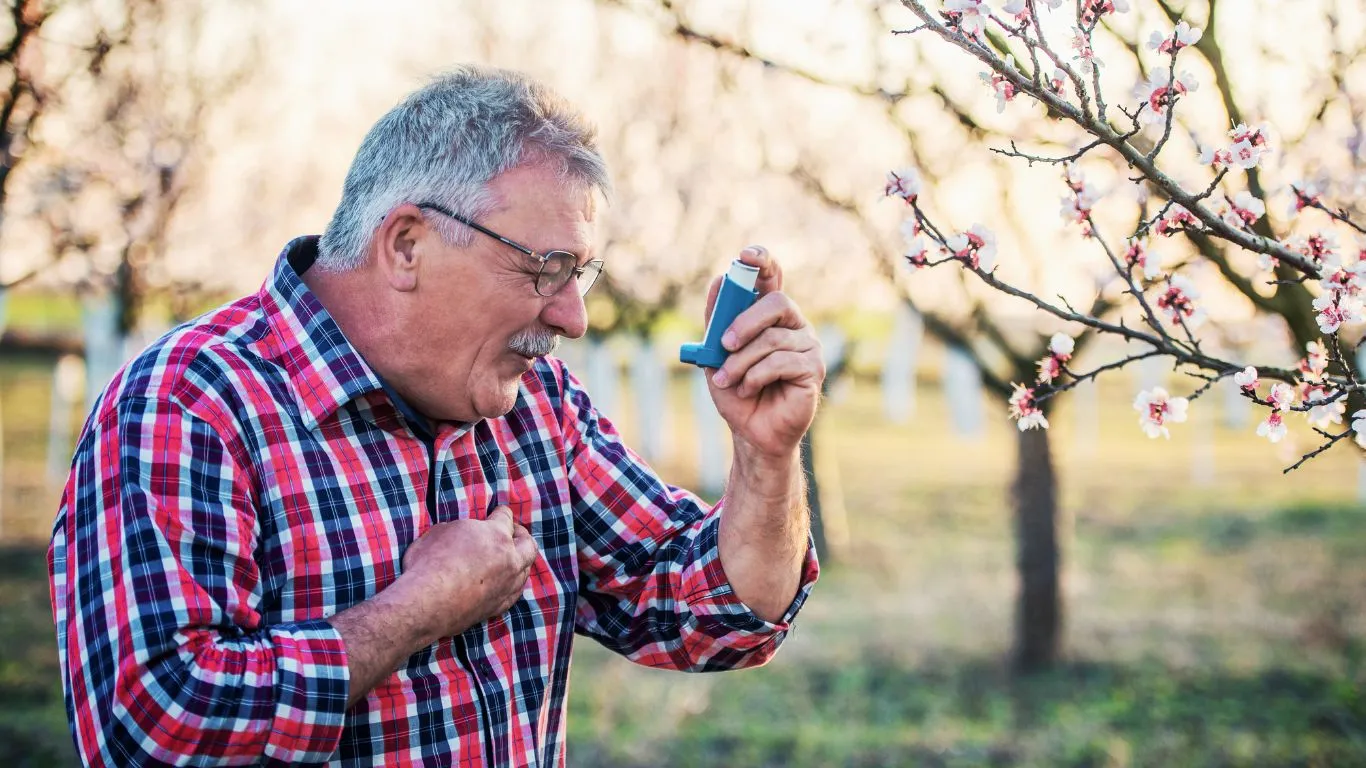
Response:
column 534, row 343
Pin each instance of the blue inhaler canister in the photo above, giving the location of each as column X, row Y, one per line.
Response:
column 736, row 295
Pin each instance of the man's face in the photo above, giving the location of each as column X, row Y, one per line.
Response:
column 477, row 321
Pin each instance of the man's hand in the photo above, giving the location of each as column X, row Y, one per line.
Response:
column 768, row 389
column 456, row 575
column 767, row 392
column 467, row 571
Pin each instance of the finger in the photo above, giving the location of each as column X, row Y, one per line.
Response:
column 525, row 547
column 770, row 272
column 794, row 367
column 773, row 309
column 502, row 517
column 769, row 341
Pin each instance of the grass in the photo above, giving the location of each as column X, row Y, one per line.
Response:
column 1214, row 608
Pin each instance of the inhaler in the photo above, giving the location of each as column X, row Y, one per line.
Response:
column 736, row 295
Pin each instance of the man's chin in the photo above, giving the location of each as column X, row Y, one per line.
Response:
column 497, row 404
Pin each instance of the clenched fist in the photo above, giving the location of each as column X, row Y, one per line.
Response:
column 467, row 571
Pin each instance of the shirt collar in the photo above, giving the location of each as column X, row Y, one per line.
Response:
column 324, row 370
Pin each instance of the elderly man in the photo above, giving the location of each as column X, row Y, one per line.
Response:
column 357, row 517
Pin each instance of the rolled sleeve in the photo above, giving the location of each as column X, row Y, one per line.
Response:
column 713, row 599
column 651, row 584
column 155, row 592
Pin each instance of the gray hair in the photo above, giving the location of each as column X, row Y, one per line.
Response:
column 445, row 142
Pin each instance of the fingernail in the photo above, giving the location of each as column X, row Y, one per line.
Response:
column 750, row 251
column 729, row 340
column 720, row 379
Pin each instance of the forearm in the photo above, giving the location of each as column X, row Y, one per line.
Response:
column 380, row 634
column 764, row 530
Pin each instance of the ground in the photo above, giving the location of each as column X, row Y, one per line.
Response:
column 1214, row 607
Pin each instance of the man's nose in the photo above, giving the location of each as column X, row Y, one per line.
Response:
column 565, row 313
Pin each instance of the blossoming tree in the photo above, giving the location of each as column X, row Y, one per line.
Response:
column 1149, row 285
column 1299, row 270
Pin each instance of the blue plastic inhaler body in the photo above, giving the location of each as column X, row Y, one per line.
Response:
column 736, row 295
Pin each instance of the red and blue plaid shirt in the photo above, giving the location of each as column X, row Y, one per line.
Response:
column 249, row 475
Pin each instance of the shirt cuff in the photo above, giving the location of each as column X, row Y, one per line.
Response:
column 712, row 597
column 312, row 681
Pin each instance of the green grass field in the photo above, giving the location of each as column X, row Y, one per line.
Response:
column 1215, row 615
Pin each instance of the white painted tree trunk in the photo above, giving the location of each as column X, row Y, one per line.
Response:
column 1150, row 371
column 898, row 369
column 103, row 344
column 1202, row 449
column 711, row 439
column 1237, row 409
column 4, row 318
column 68, row 383
column 650, row 385
column 963, row 389
column 601, row 373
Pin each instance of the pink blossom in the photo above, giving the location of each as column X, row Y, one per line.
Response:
column 1315, row 362
column 1219, row 158
column 1322, row 412
column 968, row 16
column 1254, row 136
column 1178, row 300
column 1085, row 55
column 1001, row 85
column 1050, row 368
column 1242, row 211
column 910, row 229
column 1077, row 207
column 1343, row 281
column 1017, row 8
column 1176, row 219
column 915, row 252
column 1282, row 396
column 1156, row 408
column 1025, row 410
column 1359, row 427
column 1331, row 315
column 1061, row 345
column 976, row 247
column 1182, row 36
column 1091, row 10
column 1055, row 83
column 1060, row 348
column 1319, row 247
column 904, row 184
column 1138, row 255
column 1345, row 277
column 1244, row 155
column 1306, row 195
column 1158, row 94
column 1246, row 379
column 1273, row 428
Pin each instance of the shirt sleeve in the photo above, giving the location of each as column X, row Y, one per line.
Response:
column 651, row 583
column 156, row 594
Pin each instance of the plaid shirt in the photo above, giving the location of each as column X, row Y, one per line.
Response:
column 249, row 475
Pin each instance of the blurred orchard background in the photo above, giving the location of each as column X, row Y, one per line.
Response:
column 1078, row 597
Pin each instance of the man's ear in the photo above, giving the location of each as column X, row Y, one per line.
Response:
column 400, row 243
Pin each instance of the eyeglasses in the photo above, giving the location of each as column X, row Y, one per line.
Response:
column 557, row 267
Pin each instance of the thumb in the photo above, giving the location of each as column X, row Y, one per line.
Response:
column 502, row 517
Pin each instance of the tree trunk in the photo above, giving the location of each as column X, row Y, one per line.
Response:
column 1038, row 610
column 813, row 495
